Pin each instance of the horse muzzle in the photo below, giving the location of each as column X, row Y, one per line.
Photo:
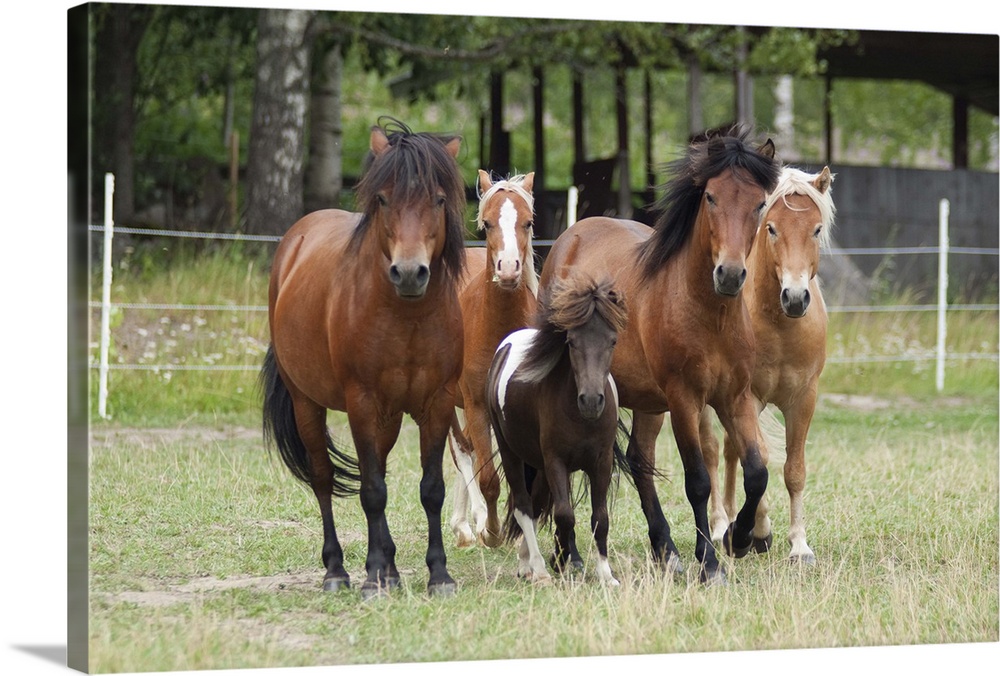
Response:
column 794, row 302
column 729, row 279
column 591, row 406
column 410, row 279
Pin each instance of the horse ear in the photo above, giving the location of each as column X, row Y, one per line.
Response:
column 823, row 181
column 484, row 182
column 379, row 141
column 453, row 145
column 529, row 181
column 767, row 150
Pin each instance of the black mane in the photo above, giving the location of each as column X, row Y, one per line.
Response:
column 416, row 164
column 708, row 156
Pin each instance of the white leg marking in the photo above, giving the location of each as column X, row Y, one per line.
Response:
column 604, row 574
column 536, row 564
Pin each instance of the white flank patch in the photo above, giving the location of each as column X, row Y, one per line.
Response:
column 519, row 342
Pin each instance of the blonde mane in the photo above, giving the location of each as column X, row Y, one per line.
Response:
column 515, row 185
column 797, row 182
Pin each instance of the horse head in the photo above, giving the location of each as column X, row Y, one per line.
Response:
column 506, row 215
column 797, row 223
column 591, row 313
column 732, row 204
column 413, row 196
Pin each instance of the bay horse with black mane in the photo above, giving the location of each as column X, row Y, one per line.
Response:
column 789, row 321
column 554, row 408
column 364, row 318
column 497, row 295
column 688, row 343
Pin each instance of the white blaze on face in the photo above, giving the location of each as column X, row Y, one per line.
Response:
column 509, row 255
column 794, row 282
column 519, row 342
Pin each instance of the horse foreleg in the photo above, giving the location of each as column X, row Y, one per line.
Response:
column 310, row 422
column 599, row 523
column 562, row 516
column 743, row 427
column 641, row 456
column 684, row 419
column 486, row 518
column 530, row 563
column 718, row 519
column 797, row 422
column 433, row 431
column 465, row 486
column 373, row 438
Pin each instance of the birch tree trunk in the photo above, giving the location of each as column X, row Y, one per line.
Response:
column 324, row 177
column 276, row 157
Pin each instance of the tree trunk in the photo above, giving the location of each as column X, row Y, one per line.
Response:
column 117, row 39
column 275, row 161
column 324, row 178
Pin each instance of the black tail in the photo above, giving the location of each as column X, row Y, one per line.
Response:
column 280, row 429
column 635, row 466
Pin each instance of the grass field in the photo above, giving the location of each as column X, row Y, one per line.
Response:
column 205, row 552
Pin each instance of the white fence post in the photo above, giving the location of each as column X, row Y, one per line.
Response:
column 109, row 230
column 942, row 289
column 571, row 200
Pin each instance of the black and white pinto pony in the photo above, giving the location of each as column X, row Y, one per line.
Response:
column 554, row 409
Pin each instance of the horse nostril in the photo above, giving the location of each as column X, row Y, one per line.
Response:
column 394, row 275
column 784, row 297
column 423, row 274
column 517, row 266
column 805, row 297
column 743, row 276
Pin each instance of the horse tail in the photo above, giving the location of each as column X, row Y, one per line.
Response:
column 772, row 431
column 634, row 466
column 281, row 431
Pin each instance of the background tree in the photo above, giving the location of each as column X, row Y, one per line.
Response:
column 276, row 157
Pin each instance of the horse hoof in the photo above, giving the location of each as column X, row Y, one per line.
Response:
column 762, row 545
column 713, row 578
column 335, row 584
column 491, row 540
column 464, row 540
column 442, row 590
column 673, row 564
column 372, row 590
column 808, row 559
column 731, row 549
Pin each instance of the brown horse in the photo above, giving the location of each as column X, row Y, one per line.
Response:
column 554, row 407
column 498, row 297
column 365, row 319
column 791, row 342
column 688, row 343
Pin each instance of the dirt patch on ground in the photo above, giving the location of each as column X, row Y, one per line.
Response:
column 860, row 402
column 157, row 436
column 203, row 587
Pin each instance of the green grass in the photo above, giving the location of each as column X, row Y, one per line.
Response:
column 204, row 552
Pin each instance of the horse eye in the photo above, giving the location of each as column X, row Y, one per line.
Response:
column 761, row 206
column 710, row 199
column 771, row 231
column 529, row 225
column 487, row 225
column 382, row 200
column 819, row 229
column 439, row 202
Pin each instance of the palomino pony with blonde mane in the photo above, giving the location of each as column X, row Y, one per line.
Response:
column 688, row 343
column 497, row 295
column 789, row 321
